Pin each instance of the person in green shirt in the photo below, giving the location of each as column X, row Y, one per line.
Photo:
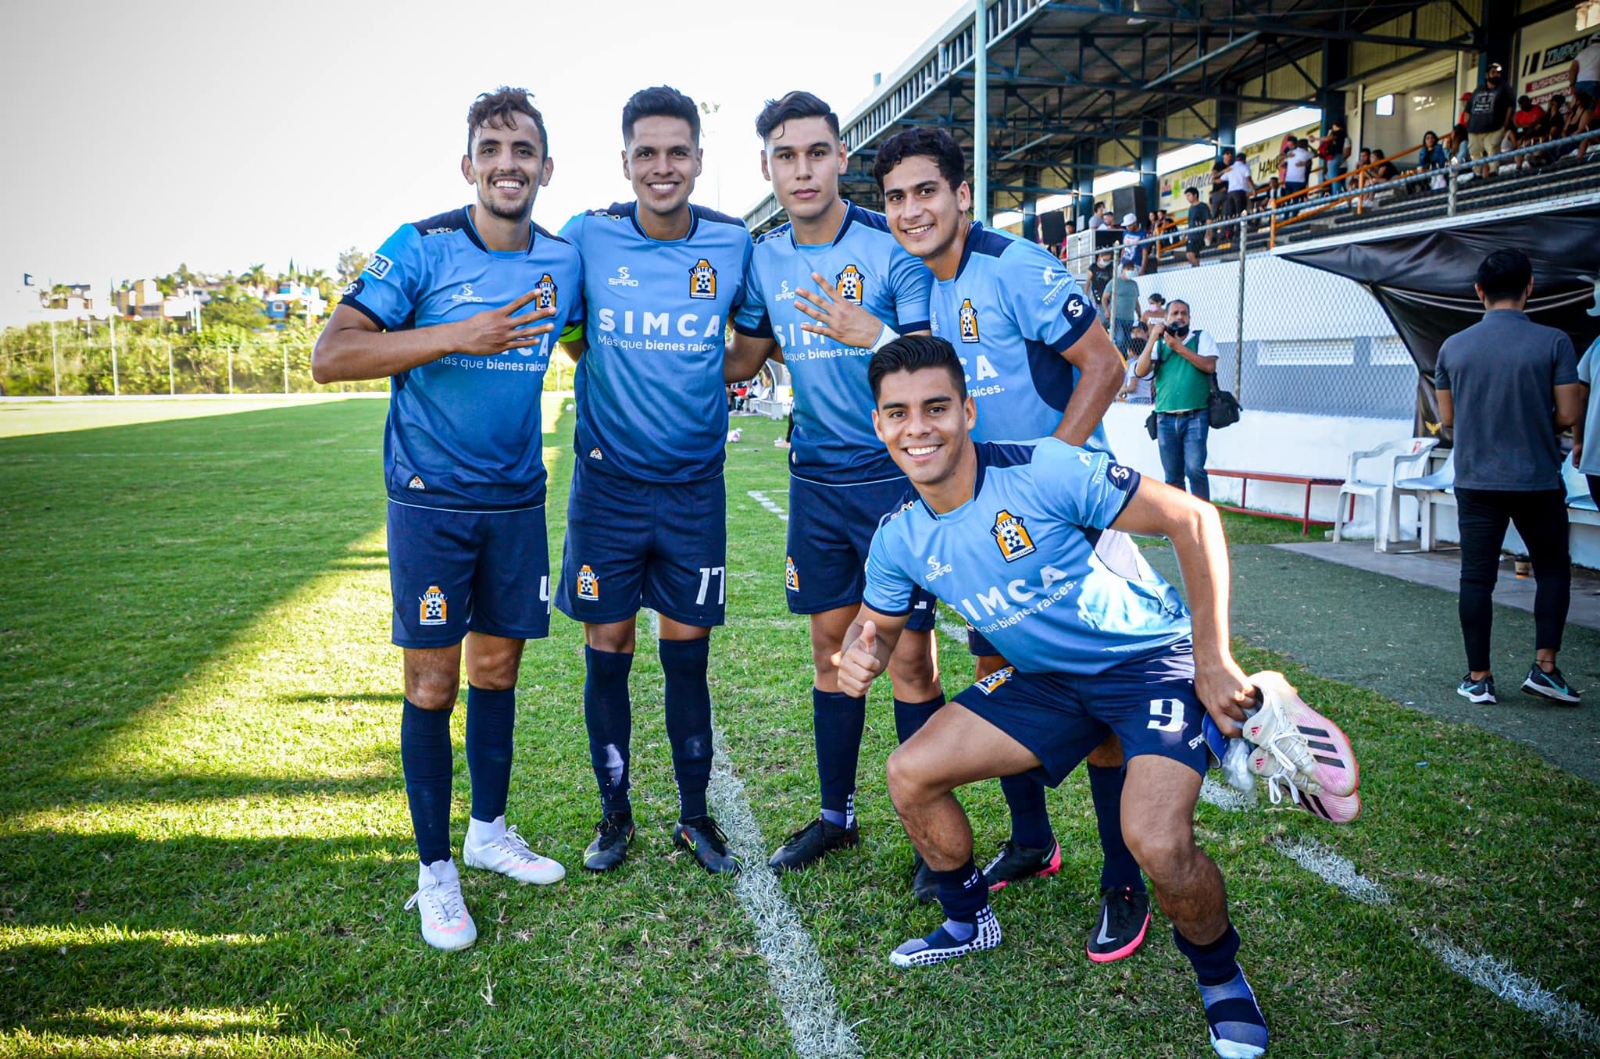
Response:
column 1182, row 362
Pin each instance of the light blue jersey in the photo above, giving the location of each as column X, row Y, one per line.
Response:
column 1026, row 561
column 1011, row 311
column 464, row 431
column 650, row 396
column 833, row 439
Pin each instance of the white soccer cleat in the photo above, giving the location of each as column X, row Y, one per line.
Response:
column 1292, row 739
column 507, row 853
column 445, row 922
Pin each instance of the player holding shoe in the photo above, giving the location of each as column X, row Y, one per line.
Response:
column 646, row 522
column 1096, row 642
column 841, row 479
column 1038, row 366
column 458, row 310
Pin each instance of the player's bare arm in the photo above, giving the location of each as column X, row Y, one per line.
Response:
column 867, row 647
column 352, row 347
column 1195, row 530
column 843, row 321
column 746, row 354
column 1100, row 371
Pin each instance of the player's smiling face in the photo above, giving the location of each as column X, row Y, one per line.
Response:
column 508, row 167
column 924, row 211
column 804, row 163
column 661, row 161
column 926, row 427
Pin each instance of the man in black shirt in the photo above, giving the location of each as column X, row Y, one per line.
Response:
column 1488, row 115
column 1099, row 276
column 1199, row 216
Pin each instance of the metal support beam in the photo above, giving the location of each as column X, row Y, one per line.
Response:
column 1148, row 146
column 1084, row 154
column 980, row 111
column 1133, row 87
column 1263, row 24
column 1335, row 69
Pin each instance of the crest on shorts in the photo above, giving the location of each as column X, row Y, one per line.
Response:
column 851, row 284
column 995, row 679
column 588, row 584
column 791, row 574
column 967, row 318
column 545, row 293
column 416, row 482
column 702, row 280
column 1012, row 536
column 434, row 606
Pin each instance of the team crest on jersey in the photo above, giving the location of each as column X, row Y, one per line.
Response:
column 594, row 453
column 544, row 293
column 702, row 280
column 434, row 606
column 851, row 284
column 588, row 584
column 995, row 679
column 968, row 320
column 1012, row 536
column 791, row 574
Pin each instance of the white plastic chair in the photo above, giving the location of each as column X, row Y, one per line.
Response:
column 1397, row 459
column 1436, row 488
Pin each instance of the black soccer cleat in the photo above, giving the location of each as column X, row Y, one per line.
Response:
column 1120, row 930
column 702, row 837
column 811, row 843
column 924, row 887
column 1016, row 862
column 612, row 836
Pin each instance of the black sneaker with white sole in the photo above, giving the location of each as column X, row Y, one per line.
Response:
column 813, row 842
column 702, row 837
column 1551, row 685
column 1480, row 690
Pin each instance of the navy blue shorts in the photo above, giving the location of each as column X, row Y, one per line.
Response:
column 1148, row 702
column 978, row 644
column 452, row 572
column 830, row 533
column 633, row 544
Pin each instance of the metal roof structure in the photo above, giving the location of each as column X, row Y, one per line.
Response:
column 1064, row 79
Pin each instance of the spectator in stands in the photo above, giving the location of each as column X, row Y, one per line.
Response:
column 1385, row 170
column 1586, row 458
column 1584, row 76
column 1157, row 310
column 1219, row 183
column 1135, row 251
column 1098, row 218
column 1240, row 187
column 1334, row 152
column 1122, row 304
column 1100, row 277
column 1509, row 386
column 1488, row 117
column 1181, row 363
column 1199, row 217
column 1297, row 173
column 1529, row 123
column 1433, row 155
column 1135, row 390
column 1458, row 132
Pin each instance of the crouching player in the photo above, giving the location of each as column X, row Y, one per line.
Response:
column 1096, row 641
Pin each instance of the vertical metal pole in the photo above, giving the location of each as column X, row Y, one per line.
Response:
column 286, row 369
column 1451, row 209
column 55, row 360
column 1238, row 361
column 116, row 387
column 172, row 382
column 980, row 111
column 232, row 348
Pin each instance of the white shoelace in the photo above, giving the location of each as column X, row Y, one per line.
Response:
column 513, row 843
column 446, row 901
column 1282, row 742
column 1276, row 795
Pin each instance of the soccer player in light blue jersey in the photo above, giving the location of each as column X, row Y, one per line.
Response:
column 646, row 521
column 458, row 311
column 1037, row 365
column 1097, row 640
column 866, row 289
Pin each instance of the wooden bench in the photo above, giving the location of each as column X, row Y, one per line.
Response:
column 1246, row 477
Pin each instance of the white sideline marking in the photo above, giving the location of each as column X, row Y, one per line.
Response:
column 1225, row 797
column 761, row 498
column 955, row 630
column 1563, row 1016
column 805, row 996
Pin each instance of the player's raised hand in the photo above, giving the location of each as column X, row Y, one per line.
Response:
column 501, row 330
column 843, row 321
column 859, row 663
column 1224, row 691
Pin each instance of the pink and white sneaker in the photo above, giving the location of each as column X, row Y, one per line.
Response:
column 496, row 847
column 1293, row 740
column 445, row 922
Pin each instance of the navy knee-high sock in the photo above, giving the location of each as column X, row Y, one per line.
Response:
column 426, row 760
column 491, row 715
column 909, row 717
column 1030, row 820
column 688, row 720
column 1119, row 868
column 837, row 721
column 608, row 714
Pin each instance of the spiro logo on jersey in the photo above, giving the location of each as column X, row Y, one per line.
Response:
column 1119, row 476
column 588, row 585
column 936, row 569
column 354, row 288
column 995, row 679
column 622, row 279
column 851, row 284
column 433, row 607
column 1012, row 536
column 968, row 319
column 702, row 280
column 465, row 295
column 1075, row 307
column 791, row 574
column 379, row 266
column 544, row 293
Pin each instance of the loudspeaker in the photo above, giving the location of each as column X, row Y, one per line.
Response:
column 1130, row 200
column 1052, row 227
column 1106, row 239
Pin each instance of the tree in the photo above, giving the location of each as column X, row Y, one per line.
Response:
column 254, row 276
column 352, row 263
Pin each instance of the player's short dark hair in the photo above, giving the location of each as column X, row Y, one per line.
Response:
column 914, row 353
column 660, row 102
column 922, row 142
column 1505, row 274
column 496, row 108
column 794, row 105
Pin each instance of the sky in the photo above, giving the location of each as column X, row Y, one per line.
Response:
column 222, row 135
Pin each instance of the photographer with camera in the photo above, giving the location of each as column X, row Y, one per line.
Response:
column 1182, row 363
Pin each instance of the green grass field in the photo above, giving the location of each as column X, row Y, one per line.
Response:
column 205, row 849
